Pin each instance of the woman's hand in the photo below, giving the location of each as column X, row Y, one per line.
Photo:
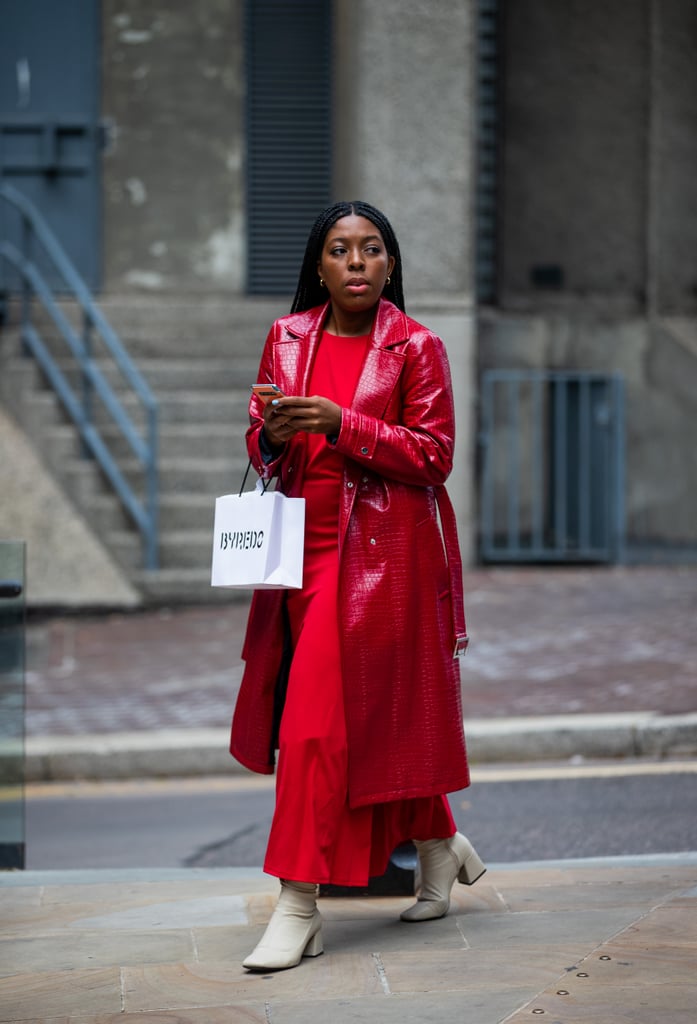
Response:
column 285, row 417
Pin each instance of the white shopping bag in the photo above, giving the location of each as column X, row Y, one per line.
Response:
column 258, row 540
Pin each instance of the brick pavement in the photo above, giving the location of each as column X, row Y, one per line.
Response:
column 545, row 641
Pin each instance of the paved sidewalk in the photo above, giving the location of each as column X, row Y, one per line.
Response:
column 598, row 941
column 564, row 662
column 573, row 660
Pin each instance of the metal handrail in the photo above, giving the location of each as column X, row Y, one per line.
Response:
column 94, row 383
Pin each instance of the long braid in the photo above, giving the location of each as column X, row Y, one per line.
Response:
column 309, row 292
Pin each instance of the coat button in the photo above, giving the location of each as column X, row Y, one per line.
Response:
column 364, row 451
column 372, row 540
column 364, row 479
column 350, row 484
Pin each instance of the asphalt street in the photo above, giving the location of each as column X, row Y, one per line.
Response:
column 512, row 813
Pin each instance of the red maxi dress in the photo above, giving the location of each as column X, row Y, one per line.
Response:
column 315, row 835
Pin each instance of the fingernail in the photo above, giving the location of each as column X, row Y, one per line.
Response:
column 274, row 401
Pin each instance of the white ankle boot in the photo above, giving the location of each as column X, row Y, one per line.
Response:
column 442, row 861
column 294, row 931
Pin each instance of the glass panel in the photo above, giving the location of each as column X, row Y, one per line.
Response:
column 12, row 650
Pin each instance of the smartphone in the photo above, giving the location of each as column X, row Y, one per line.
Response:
column 267, row 391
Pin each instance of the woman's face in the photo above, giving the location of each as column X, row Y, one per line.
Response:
column 354, row 264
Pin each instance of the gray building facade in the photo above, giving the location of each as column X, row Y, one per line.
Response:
column 596, row 239
column 592, row 215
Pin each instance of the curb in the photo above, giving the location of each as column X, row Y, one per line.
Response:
column 254, row 878
column 196, row 752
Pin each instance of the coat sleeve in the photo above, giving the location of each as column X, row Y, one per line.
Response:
column 414, row 442
column 265, row 468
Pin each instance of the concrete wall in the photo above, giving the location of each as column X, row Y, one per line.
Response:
column 174, row 221
column 404, row 119
column 599, row 112
column 599, row 149
column 675, row 134
column 173, row 90
column 598, row 158
column 172, row 87
column 174, row 217
column 404, row 138
column 67, row 566
column 658, row 362
column 574, row 167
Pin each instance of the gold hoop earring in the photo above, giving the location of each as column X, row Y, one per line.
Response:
column 321, row 282
column 388, row 279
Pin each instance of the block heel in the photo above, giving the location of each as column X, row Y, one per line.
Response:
column 472, row 868
column 442, row 861
column 315, row 946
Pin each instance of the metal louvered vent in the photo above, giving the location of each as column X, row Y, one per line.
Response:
column 289, row 159
column 487, row 148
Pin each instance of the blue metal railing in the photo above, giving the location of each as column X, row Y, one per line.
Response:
column 80, row 407
column 552, row 485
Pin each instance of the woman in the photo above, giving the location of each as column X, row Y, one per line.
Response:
column 354, row 678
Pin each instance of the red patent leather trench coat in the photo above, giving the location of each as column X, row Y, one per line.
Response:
column 400, row 598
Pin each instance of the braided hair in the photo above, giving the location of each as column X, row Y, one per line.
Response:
column 309, row 292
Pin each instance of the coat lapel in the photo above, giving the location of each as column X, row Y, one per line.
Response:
column 295, row 349
column 383, row 364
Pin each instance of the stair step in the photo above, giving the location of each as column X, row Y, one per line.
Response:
column 181, row 549
column 165, row 374
column 83, row 479
column 107, row 514
column 19, row 372
column 183, row 406
column 200, row 476
column 185, row 440
column 178, row 512
column 37, row 412
column 187, row 511
column 199, row 356
column 179, row 405
column 186, row 586
column 161, row 325
column 207, row 478
column 171, row 327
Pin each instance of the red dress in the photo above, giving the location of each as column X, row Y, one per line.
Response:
column 315, row 835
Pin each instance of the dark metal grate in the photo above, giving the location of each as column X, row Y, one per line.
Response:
column 289, row 157
column 553, row 466
column 487, row 136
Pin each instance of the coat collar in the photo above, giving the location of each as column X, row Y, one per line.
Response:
column 382, row 364
column 389, row 328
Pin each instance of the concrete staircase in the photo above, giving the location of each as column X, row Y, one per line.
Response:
column 199, row 355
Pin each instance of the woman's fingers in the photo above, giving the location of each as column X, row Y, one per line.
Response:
column 315, row 415
column 277, row 426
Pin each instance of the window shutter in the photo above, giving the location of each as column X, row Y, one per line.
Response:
column 487, row 149
column 289, row 165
